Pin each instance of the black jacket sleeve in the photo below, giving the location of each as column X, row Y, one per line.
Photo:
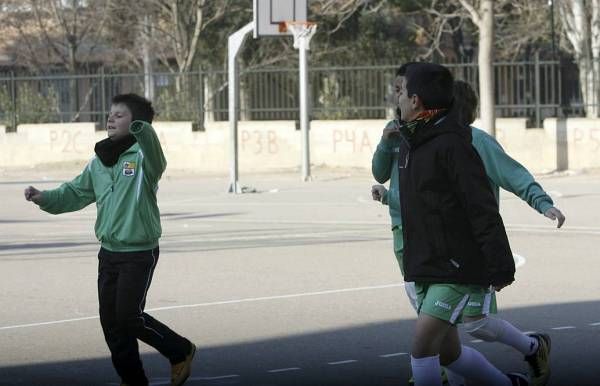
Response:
column 467, row 175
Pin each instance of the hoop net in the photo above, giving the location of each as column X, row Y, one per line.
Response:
column 302, row 31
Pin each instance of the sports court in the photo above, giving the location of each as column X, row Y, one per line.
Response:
column 295, row 284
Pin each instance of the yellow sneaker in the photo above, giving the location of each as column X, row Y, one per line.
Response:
column 180, row 372
column 539, row 361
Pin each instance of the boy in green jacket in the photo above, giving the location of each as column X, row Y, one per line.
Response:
column 122, row 179
column 504, row 171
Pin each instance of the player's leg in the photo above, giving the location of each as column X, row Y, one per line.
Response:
column 134, row 281
column 439, row 307
column 425, row 358
column 479, row 324
column 128, row 367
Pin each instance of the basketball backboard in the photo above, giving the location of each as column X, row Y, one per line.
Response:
column 268, row 14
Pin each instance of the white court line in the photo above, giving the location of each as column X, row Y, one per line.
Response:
column 564, row 328
column 342, row 362
column 209, row 304
column 284, row 370
column 595, row 324
column 396, row 354
column 213, row 378
column 476, row 341
column 168, row 382
column 175, row 239
column 62, row 236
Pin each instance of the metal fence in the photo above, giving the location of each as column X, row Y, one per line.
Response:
column 534, row 90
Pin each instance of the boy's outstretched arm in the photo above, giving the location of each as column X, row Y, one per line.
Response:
column 68, row 197
column 154, row 161
column 510, row 175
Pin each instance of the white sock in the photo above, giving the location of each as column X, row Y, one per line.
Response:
column 472, row 365
column 512, row 336
column 455, row 379
column 426, row 371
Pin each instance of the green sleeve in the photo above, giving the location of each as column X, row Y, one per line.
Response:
column 381, row 165
column 385, row 198
column 394, row 200
column 70, row 196
column 154, row 161
column 510, row 175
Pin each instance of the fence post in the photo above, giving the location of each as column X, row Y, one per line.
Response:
column 538, row 112
column 13, row 100
column 200, row 109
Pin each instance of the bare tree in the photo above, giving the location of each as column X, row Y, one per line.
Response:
column 180, row 27
column 503, row 27
column 343, row 10
column 483, row 18
column 54, row 32
column 595, row 48
column 581, row 25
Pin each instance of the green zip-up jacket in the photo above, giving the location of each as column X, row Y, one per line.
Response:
column 128, row 218
column 502, row 170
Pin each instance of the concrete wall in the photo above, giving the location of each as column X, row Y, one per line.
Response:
column 273, row 145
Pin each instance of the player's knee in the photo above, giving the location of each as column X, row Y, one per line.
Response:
column 128, row 322
column 482, row 329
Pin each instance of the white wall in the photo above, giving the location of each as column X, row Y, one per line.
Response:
column 273, row 145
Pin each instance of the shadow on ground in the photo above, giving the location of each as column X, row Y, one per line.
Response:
column 310, row 358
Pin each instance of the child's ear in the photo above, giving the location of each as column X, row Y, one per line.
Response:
column 416, row 102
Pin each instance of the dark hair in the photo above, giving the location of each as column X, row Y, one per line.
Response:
column 401, row 71
column 431, row 82
column 140, row 107
column 465, row 102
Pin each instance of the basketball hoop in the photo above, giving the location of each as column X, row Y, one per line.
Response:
column 303, row 31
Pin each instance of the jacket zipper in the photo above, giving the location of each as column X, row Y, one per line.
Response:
column 110, row 201
column 408, row 153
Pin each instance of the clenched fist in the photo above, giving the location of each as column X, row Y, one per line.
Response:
column 32, row 194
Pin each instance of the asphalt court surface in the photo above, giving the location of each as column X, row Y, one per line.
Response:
column 294, row 284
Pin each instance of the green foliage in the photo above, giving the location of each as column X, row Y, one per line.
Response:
column 365, row 38
column 32, row 106
column 331, row 103
column 171, row 105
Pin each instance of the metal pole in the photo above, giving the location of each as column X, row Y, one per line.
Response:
column 235, row 42
column 304, row 123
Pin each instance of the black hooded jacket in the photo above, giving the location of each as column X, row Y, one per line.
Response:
column 452, row 230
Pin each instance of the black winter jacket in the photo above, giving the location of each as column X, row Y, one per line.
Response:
column 453, row 232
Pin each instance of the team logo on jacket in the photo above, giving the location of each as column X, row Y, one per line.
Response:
column 128, row 169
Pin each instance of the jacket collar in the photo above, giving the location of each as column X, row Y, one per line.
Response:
column 442, row 123
column 110, row 151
